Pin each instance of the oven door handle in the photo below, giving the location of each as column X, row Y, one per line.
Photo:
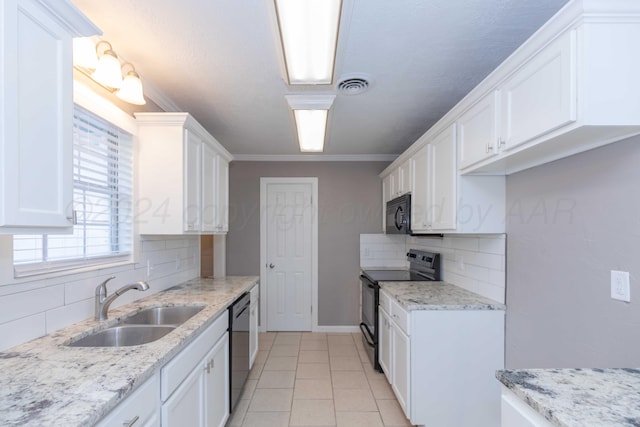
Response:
column 365, row 331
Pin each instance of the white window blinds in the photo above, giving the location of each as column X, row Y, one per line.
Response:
column 102, row 197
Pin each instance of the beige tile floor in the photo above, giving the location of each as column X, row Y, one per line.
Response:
column 315, row 379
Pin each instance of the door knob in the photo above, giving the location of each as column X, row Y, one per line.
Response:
column 271, row 265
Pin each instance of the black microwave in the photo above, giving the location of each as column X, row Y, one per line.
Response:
column 399, row 215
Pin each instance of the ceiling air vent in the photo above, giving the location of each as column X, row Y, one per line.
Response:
column 353, row 85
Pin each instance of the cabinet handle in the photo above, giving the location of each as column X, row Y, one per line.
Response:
column 489, row 148
column 210, row 365
column 502, row 142
column 129, row 423
column 73, row 219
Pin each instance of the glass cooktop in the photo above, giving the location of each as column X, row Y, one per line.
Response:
column 393, row 275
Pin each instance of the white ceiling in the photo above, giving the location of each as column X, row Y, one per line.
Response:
column 220, row 61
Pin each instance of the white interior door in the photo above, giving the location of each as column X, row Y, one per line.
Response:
column 289, row 215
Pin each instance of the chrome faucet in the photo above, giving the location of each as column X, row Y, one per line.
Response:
column 103, row 302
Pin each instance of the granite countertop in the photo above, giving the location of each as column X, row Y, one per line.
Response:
column 45, row 383
column 437, row 296
column 579, row 397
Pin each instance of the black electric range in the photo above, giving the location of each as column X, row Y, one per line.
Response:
column 423, row 266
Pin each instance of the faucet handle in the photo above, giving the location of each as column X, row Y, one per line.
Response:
column 102, row 287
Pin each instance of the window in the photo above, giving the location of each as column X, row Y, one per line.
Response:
column 102, row 197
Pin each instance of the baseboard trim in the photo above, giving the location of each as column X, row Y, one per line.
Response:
column 337, row 329
column 326, row 329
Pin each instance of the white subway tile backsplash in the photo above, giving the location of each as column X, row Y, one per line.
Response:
column 68, row 314
column 475, row 263
column 464, row 243
column 33, row 306
column 492, row 245
column 153, row 245
column 31, row 302
column 22, row 330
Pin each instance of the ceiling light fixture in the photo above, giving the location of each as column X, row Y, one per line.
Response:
column 101, row 63
column 131, row 89
column 107, row 71
column 309, row 35
column 310, row 114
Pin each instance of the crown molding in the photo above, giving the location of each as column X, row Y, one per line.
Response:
column 314, row 157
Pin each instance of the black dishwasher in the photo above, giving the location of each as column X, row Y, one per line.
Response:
column 238, row 347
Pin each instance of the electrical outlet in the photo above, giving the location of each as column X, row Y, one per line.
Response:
column 620, row 288
column 149, row 269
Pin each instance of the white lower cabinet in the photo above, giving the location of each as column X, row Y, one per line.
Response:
column 401, row 350
column 194, row 385
column 441, row 363
column 384, row 343
column 184, row 407
column 139, row 409
column 516, row 413
column 253, row 325
column 203, row 398
column 192, row 389
column 216, row 384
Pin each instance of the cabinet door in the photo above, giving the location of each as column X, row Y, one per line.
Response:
column 404, row 177
column 395, row 183
column 192, row 182
column 421, row 185
column 209, row 188
column 140, row 408
column 478, row 131
column 253, row 333
column 223, row 195
column 444, row 179
column 540, row 96
column 216, row 384
column 185, row 406
column 384, row 343
column 36, row 112
column 401, row 367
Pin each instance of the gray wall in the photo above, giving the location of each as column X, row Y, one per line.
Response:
column 350, row 203
column 568, row 224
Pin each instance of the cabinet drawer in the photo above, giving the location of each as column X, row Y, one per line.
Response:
column 385, row 302
column 143, row 404
column 174, row 372
column 255, row 294
column 400, row 316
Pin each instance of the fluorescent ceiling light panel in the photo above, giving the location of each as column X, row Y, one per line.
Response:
column 311, row 126
column 310, row 113
column 309, row 33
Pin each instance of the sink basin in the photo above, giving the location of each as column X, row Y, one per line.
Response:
column 169, row 315
column 123, row 336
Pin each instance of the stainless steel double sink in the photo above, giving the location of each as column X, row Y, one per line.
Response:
column 145, row 326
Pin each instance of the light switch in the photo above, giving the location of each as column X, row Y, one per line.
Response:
column 620, row 288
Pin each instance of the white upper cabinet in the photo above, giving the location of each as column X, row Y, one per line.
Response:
column 442, row 201
column 478, row 131
column 36, row 112
column 540, row 96
column 444, row 181
column 398, row 182
column 183, row 179
column 222, row 194
column 420, row 215
column 567, row 89
column 404, row 175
